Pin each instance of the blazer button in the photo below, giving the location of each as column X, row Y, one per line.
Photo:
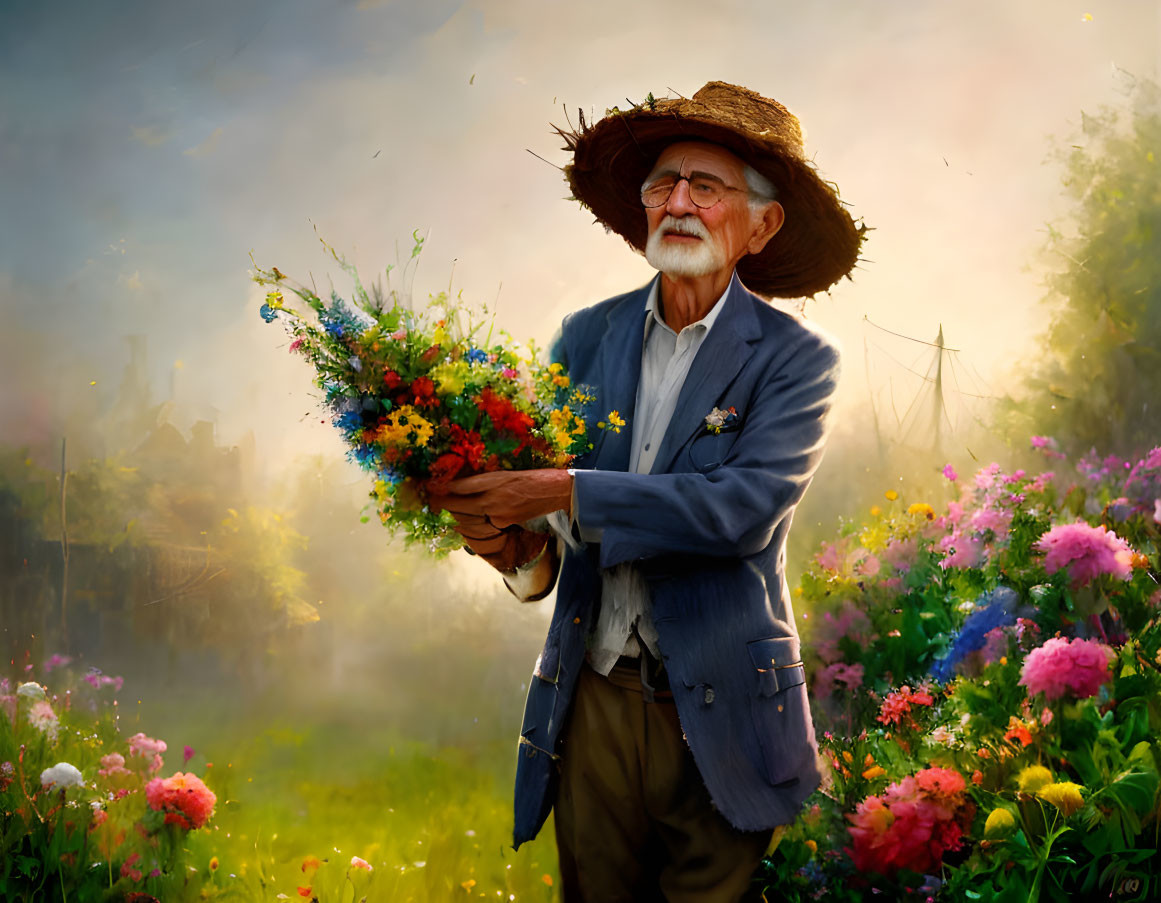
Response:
column 709, row 695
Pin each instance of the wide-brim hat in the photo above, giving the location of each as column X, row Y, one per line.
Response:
column 817, row 245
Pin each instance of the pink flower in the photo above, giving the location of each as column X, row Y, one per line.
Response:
column 127, row 869
column 43, row 718
column 990, row 519
column 901, row 554
column 357, row 863
column 1062, row 667
column 1157, row 511
column 112, row 764
column 1086, row 551
column 187, row 754
column 949, row 472
column 509, row 373
column 963, row 551
column 56, row 661
column 896, row 708
column 839, row 672
column 140, row 745
column 866, row 564
column 1044, row 442
column 185, row 800
column 296, row 344
column 911, row 824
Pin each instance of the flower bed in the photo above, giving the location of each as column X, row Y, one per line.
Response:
column 987, row 686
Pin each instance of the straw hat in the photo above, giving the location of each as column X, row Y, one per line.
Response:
column 818, row 245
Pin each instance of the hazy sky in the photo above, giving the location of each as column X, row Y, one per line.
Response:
column 146, row 148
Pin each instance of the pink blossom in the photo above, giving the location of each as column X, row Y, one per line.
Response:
column 1152, row 460
column 949, row 472
column 851, row 622
column 990, row 519
column 963, row 551
column 986, row 476
column 509, row 373
column 187, row 754
column 828, row 559
column 866, row 564
column 901, row 554
column 113, row 763
column 1157, row 511
column 954, row 512
column 1086, row 551
column 296, row 344
column 911, row 824
column 896, row 708
column 839, row 672
column 1062, row 667
column 43, row 718
column 56, row 661
column 140, row 745
column 185, row 800
column 1044, row 442
column 1040, row 482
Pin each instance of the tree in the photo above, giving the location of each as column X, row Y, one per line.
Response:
column 1098, row 381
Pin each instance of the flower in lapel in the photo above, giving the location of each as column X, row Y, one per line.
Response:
column 717, row 419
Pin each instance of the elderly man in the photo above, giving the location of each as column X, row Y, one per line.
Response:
column 667, row 719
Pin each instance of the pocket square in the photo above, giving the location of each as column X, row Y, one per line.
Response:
column 718, row 420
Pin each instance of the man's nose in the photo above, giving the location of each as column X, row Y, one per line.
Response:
column 680, row 203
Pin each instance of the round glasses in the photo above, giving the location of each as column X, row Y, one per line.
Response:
column 703, row 191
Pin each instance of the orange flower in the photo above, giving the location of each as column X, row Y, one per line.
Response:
column 469, row 884
column 874, row 771
column 305, row 891
column 1019, row 730
column 311, row 864
column 547, row 879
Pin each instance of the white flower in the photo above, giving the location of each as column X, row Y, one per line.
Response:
column 60, row 776
column 357, row 863
column 31, row 691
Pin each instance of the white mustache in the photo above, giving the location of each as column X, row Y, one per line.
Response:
column 686, row 225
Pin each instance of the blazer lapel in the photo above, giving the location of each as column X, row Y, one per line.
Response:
column 723, row 354
column 619, row 370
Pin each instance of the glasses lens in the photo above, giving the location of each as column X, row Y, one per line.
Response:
column 657, row 193
column 705, row 193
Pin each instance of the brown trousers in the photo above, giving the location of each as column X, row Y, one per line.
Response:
column 634, row 821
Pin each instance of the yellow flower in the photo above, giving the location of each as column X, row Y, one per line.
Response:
column 560, row 380
column 874, row 771
column 1064, row 795
column 616, row 421
column 891, row 495
column 812, row 846
column 1000, row 824
column 274, row 300
column 213, row 863
column 449, row 378
column 1033, row 778
column 554, row 369
column 401, row 424
column 469, row 884
column 922, row 508
column 876, row 511
column 847, row 757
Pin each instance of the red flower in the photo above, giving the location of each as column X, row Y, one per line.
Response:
column 185, row 800
column 505, row 417
column 391, row 379
column 444, row 469
column 468, row 445
column 423, row 390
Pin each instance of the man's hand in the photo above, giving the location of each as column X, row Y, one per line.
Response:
column 507, row 498
column 505, row 549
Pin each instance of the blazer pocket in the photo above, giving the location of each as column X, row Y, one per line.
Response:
column 708, row 450
column 781, row 710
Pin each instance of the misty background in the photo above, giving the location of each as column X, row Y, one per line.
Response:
column 213, row 529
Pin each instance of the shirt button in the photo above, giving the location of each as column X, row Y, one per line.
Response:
column 709, row 695
column 646, row 446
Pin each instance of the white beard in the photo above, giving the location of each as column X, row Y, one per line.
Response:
column 681, row 259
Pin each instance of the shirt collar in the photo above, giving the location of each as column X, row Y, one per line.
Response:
column 654, row 318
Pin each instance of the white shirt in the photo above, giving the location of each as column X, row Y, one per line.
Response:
column 666, row 357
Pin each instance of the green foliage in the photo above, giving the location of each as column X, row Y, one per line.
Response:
column 1098, row 377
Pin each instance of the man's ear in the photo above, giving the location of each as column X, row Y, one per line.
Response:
column 772, row 218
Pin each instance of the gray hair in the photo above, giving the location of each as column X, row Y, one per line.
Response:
column 762, row 190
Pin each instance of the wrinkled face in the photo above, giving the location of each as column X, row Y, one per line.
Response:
column 687, row 240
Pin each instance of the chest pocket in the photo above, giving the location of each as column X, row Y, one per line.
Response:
column 708, row 450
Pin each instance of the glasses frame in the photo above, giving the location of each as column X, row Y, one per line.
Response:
column 689, row 178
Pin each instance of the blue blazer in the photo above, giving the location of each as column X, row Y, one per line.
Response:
column 708, row 527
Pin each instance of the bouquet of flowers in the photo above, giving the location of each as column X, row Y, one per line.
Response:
column 423, row 396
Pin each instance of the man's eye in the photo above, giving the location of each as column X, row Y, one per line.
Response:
column 703, row 188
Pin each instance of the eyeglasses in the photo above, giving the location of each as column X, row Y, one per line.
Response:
column 703, row 191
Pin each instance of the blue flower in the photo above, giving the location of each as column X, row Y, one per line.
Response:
column 363, row 455
column 476, row 356
column 269, row 314
column 349, row 421
column 994, row 609
column 390, row 475
column 334, row 328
